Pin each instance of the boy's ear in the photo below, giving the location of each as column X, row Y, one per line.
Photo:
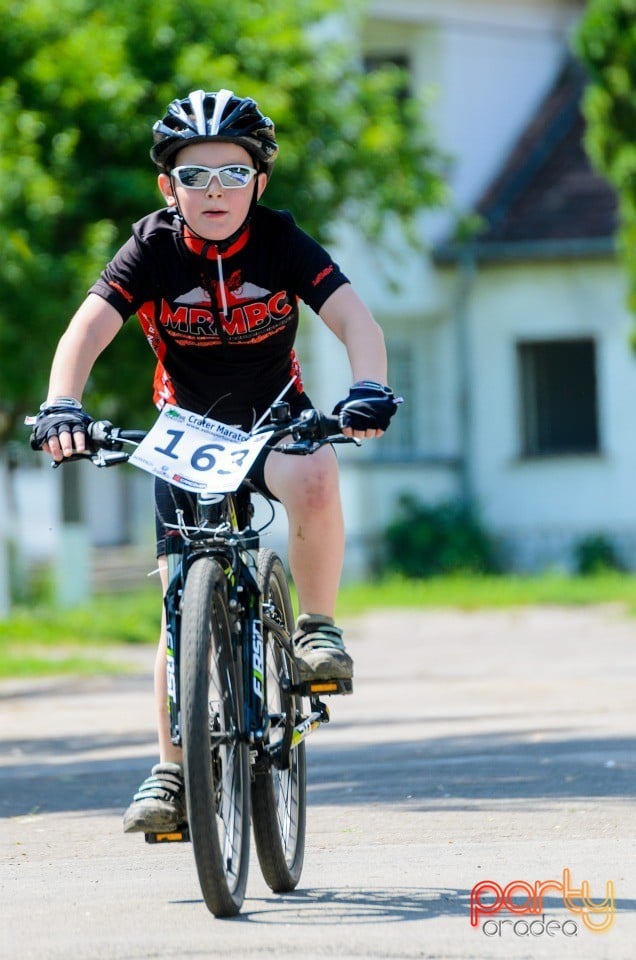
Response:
column 262, row 183
column 165, row 185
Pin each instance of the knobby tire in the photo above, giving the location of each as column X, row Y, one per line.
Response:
column 216, row 762
column 279, row 792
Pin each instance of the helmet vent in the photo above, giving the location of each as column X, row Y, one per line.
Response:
column 223, row 97
column 196, row 101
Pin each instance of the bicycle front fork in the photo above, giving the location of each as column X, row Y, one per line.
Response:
column 172, row 602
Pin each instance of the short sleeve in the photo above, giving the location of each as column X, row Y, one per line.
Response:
column 317, row 274
column 125, row 283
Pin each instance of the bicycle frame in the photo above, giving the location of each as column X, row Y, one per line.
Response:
column 235, row 546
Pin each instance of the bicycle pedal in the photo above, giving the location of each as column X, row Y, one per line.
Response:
column 180, row 835
column 328, row 688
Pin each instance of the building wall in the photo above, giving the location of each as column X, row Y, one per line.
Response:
column 116, row 506
column 482, row 66
column 540, row 507
column 487, row 66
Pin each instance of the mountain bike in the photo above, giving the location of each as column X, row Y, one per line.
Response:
column 236, row 705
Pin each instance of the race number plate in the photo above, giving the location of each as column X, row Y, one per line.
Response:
column 197, row 453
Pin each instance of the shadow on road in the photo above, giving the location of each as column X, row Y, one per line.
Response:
column 68, row 774
column 477, row 768
column 319, row 907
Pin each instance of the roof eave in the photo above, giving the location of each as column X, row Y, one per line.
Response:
column 448, row 254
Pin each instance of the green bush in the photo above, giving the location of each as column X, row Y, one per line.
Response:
column 426, row 541
column 595, row 554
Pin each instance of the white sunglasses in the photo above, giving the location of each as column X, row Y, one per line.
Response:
column 233, row 176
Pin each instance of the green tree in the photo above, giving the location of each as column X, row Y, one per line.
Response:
column 606, row 43
column 81, row 82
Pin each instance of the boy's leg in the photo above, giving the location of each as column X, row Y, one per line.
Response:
column 309, row 491
column 168, row 753
column 159, row 804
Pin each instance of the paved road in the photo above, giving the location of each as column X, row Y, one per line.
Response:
column 490, row 746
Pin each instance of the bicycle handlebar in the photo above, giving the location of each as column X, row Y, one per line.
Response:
column 104, row 436
column 309, row 431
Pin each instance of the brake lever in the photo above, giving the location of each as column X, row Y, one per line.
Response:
column 299, row 448
column 342, row 439
column 100, row 458
column 109, row 458
column 74, row 456
column 305, row 447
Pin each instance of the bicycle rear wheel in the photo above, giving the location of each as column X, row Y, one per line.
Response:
column 279, row 788
column 216, row 762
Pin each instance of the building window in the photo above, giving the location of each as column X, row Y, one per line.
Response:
column 559, row 409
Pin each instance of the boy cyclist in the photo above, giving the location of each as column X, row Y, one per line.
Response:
column 214, row 279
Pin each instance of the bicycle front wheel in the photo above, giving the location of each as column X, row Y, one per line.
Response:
column 279, row 790
column 216, row 762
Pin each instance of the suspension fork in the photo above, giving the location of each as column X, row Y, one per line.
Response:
column 252, row 643
column 178, row 566
column 172, row 607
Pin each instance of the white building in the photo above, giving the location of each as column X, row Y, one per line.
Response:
column 513, row 350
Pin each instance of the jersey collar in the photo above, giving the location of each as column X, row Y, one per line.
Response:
column 212, row 250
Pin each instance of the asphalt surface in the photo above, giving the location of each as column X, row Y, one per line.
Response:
column 477, row 747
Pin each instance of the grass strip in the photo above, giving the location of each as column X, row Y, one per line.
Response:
column 35, row 641
column 27, row 664
column 489, row 592
column 121, row 618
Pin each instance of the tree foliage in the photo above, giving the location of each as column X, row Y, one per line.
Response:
column 606, row 43
column 81, row 83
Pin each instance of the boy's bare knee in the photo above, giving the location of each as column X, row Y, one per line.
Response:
column 319, row 493
column 313, row 493
column 309, row 485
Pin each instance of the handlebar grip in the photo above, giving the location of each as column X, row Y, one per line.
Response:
column 313, row 424
column 329, row 425
column 103, row 435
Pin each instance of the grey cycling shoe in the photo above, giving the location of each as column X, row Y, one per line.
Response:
column 319, row 650
column 159, row 804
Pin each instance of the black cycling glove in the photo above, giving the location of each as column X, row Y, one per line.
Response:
column 62, row 415
column 369, row 406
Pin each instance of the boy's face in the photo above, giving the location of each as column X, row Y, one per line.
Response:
column 215, row 212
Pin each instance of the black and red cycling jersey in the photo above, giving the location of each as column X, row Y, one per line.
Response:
column 222, row 322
